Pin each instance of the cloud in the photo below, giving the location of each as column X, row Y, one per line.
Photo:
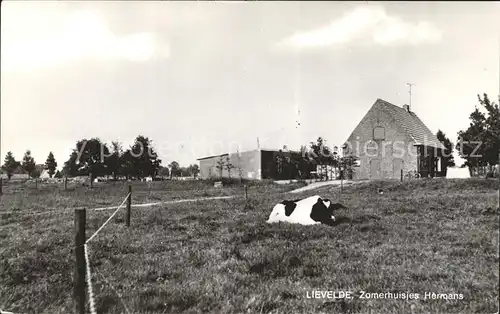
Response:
column 81, row 35
column 367, row 22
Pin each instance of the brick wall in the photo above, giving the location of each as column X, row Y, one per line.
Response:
column 382, row 160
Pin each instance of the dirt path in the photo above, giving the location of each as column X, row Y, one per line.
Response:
column 316, row 185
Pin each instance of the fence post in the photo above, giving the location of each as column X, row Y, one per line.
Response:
column 401, row 175
column 246, row 193
column 79, row 293
column 36, row 183
column 129, row 205
column 1, row 184
column 341, row 180
column 65, row 183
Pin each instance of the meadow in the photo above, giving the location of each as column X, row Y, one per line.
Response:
column 219, row 256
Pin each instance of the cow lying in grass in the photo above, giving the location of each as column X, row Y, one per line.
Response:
column 309, row 211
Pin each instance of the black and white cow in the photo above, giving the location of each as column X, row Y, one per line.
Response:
column 309, row 211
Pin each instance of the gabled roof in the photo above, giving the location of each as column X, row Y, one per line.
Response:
column 411, row 123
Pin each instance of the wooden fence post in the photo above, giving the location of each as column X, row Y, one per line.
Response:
column 1, row 184
column 65, row 183
column 246, row 192
column 129, row 205
column 401, row 175
column 36, row 183
column 341, row 180
column 79, row 292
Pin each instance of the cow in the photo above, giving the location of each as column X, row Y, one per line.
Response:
column 309, row 211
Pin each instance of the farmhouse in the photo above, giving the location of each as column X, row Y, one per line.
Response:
column 43, row 171
column 255, row 164
column 390, row 139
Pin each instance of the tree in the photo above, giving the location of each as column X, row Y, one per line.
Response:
column 479, row 144
column 492, row 131
column 322, row 155
column 163, row 172
column 127, row 165
column 28, row 163
column 186, row 171
column 88, row 158
column 51, row 164
column 447, row 159
column 303, row 162
column 146, row 161
column 347, row 166
column 174, row 168
column 37, row 172
column 228, row 166
column 220, row 166
column 70, row 168
column 10, row 164
column 194, row 170
column 114, row 162
column 58, row 174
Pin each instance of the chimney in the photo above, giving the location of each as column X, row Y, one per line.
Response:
column 406, row 107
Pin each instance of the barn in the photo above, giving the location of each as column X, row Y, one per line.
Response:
column 255, row 164
column 389, row 140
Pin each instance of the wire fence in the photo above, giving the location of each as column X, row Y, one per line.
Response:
column 146, row 197
column 87, row 259
column 82, row 250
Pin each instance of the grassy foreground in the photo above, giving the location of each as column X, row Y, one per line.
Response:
column 220, row 256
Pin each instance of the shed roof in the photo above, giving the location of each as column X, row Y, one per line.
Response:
column 213, row 156
column 252, row 150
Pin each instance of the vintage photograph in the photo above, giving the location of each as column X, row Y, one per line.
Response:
column 249, row 157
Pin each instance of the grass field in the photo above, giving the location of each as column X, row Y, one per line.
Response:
column 220, row 256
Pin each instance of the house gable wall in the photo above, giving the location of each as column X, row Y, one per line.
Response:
column 397, row 145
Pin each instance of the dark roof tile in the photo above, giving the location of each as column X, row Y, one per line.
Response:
column 415, row 128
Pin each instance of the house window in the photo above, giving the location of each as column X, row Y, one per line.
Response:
column 379, row 133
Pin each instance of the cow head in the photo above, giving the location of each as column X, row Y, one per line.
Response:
column 332, row 206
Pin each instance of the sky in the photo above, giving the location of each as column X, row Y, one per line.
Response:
column 205, row 78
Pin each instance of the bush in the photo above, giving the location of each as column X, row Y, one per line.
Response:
column 492, row 174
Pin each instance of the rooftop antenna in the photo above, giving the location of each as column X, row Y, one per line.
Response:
column 410, row 85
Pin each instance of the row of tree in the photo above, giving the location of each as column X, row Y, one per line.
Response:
column 28, row 165
column 95, row 158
